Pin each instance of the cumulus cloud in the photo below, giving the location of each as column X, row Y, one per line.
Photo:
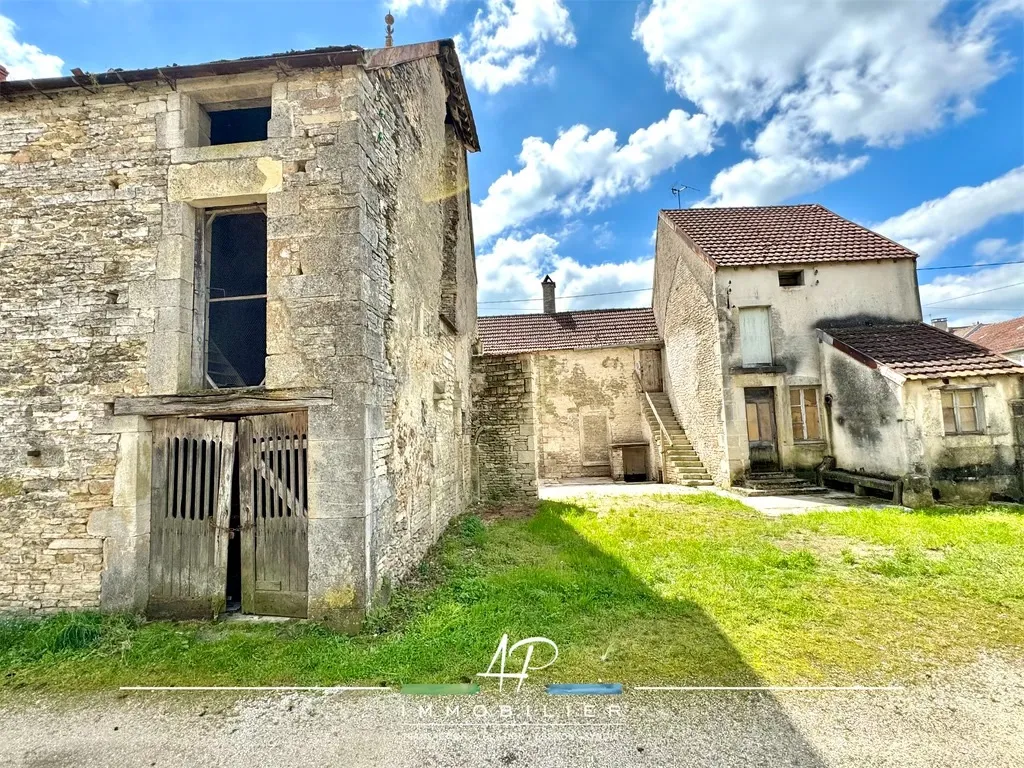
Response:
column 826, row 74
column 512, row 268
column 767, row 180
column 582, row 170
column 988, row 295
column 506, row 39
column 933, row 225
column 23, row 60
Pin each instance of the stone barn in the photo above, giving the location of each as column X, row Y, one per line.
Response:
column 568, row 395
column 238, row 308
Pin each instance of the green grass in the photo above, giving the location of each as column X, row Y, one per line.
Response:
column 696, row 589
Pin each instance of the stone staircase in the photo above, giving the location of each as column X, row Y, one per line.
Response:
column 776, row 484
column 682, row 465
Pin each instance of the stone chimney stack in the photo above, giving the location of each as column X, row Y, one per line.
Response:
column 549, row 294
column 3, row 73
column 940, row 323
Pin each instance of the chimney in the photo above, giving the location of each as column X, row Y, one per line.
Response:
column 940, row 323
column 549, row 294
column 3, row 73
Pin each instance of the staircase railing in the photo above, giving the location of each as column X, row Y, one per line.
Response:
column 664, row 438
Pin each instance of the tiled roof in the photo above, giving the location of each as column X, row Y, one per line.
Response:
column 1007, row 336
column 781, row 234
column 584, row 329
column 920, row 351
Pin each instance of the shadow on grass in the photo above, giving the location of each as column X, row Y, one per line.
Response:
column 519, row 575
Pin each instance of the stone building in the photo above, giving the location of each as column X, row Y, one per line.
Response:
column 238, row 307
column 746, row 300
column 565, row 395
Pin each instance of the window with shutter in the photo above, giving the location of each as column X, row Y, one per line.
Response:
column 755, row 336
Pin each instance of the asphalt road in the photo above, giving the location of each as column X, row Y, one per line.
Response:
column 969, row 717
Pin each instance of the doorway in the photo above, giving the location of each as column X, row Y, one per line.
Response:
column 761, row 431
column 650, row 370
column 229, row 526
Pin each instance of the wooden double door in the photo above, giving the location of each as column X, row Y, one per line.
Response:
column 229, row 506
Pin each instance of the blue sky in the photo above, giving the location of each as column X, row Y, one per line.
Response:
column 905, row 116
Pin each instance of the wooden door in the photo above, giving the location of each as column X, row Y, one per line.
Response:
column 191, row 506
column 761, row 432
column 272, row 488
column 755, row 336
column 634, row 463
column 650, row 370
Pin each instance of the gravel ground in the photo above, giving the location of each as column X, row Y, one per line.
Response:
column 973, row 716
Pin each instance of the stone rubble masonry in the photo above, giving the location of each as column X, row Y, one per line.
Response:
column 504, row 427
column 99, row 236
column 687, row 319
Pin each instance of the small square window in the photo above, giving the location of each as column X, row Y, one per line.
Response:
column 234, row 126
column 961, row 411
column 791, row 278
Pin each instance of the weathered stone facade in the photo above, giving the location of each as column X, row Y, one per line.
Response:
column 552, row 415
column 371, row 304
column 504, row 427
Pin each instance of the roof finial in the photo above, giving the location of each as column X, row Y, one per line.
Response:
column 389, row 22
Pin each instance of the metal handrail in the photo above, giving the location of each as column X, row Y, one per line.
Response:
column 650, row 404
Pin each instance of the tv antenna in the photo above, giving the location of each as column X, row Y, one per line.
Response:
column 678, row 191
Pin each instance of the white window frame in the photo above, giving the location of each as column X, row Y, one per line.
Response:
column 803, row 413
column 979, row 410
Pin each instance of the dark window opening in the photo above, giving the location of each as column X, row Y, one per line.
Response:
column 237, row 337
column 789, row 279
column 233, row 126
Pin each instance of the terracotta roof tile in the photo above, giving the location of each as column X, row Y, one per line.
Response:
column 1007, row 336
column 584, row 329
column 781, row 234
column 920, row 351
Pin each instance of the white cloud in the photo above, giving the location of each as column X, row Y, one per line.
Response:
column 401, row 7
column 25, row 61
column 844, row 69
column 506, row 41
column 933, row 225
column 989, row 295
column 581, row 170
column 828, row 73
column 767, row 180
column 514, row 266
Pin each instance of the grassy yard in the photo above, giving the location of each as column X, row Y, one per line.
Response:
column 693, row 589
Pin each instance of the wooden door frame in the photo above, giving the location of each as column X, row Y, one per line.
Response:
column 767, row 395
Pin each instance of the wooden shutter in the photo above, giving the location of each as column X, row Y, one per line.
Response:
column 755, row 336
column 272, row 484
column 191, row 506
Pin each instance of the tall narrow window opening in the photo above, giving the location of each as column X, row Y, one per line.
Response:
column 236, row 346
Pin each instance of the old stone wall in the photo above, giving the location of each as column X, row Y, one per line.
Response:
column 101, row 232
column 424, row 256
column 579, row 390
column 82, row 187
column 504, row 427
column 684, row 306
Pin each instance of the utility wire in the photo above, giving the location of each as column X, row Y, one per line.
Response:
column 972, row 266
column 976, row 293
column 640, row 290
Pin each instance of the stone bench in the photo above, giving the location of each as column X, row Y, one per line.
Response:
column 862, row 482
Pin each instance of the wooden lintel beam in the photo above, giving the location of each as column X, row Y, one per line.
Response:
column 223, row 403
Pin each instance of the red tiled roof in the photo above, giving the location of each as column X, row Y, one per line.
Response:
column 920, row 351
column 584, row 329
column 1007, row 336
column 781, row 234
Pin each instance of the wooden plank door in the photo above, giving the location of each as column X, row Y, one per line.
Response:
column 761, row 431
column 191, row 505
column 650, row 370
column 272, row 485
